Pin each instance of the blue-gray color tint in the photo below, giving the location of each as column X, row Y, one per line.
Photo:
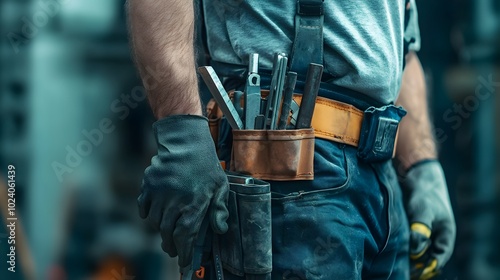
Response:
column 363, row 40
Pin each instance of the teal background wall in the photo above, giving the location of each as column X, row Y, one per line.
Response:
column 75, row 123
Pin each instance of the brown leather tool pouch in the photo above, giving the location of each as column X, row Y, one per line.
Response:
column 279, row 155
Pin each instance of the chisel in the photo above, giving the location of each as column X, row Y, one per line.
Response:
column 221, row 97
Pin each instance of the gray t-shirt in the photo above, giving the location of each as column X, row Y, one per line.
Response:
column 363, row 40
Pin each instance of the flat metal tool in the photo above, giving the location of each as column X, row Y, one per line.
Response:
column 221, row 97
column 252, row 92
column 274, row 82
column 291, row 79
column 311, row 88
column 278, row 93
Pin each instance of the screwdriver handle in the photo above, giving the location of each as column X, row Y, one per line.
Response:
column 311, row 88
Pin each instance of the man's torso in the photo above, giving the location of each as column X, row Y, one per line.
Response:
column 363, row 40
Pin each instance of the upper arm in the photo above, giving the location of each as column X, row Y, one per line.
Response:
column 162, row 35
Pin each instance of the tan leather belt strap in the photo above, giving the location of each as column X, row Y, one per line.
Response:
column 335, row 121
column 332, row 120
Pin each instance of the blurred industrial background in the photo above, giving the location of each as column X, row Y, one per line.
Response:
column 75, row 123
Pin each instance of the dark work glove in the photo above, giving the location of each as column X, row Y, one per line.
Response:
column 433, row 230
column 184, row 183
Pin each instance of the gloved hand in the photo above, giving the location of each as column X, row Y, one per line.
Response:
column 184, row 183
column 428, row 207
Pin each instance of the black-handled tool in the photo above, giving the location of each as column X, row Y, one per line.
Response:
column 291, row 79
column 260, row 122
column 202, row 240
column 311, row 88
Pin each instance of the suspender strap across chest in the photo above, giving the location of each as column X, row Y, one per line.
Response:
column 308, row 43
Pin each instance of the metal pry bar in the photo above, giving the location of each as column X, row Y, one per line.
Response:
column 221, row 97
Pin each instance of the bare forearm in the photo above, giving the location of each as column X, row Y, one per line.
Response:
column 162, row 38
column 415, row 142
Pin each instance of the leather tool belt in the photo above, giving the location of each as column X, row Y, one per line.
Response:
column 286, row 155
column 336, row 121
column 374, row 131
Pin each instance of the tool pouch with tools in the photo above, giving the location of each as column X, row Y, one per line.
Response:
column 246, row 248
column 379, row 133
column 278, row 155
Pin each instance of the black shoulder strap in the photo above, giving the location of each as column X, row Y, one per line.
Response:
column 308, row 43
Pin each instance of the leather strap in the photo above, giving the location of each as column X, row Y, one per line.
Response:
column 308, row 41
column 332, row 120
column 336, row 121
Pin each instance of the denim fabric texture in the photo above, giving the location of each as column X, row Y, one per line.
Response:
column 342, row 225
column 348, row 223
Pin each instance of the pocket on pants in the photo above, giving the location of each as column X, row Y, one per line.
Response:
column 332, row 175
column 311, row 220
